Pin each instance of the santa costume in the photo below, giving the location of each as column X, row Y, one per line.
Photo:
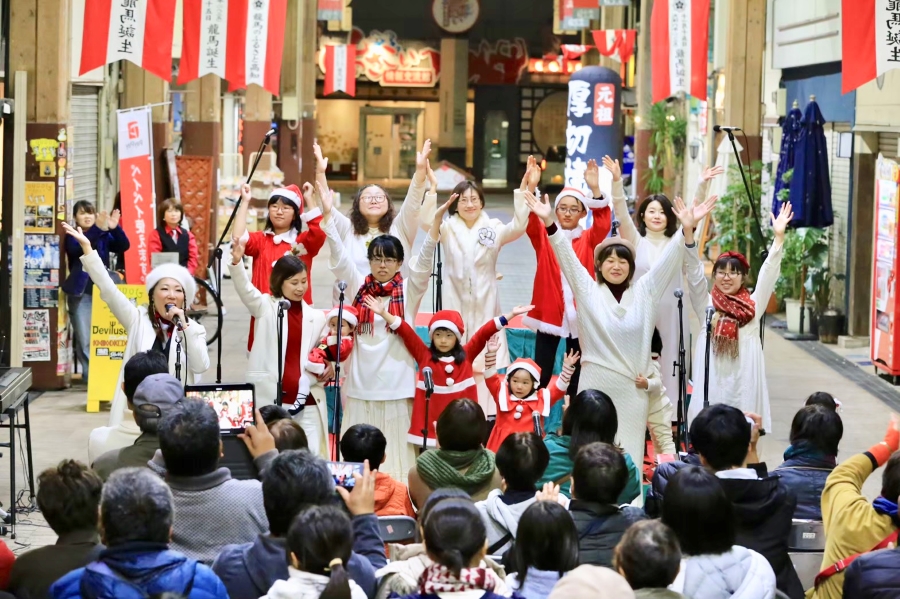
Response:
column 451, row 380
column 518, row 415
column 326, row 350
column 553, row 316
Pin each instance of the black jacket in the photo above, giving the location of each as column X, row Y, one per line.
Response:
column 600, row 527
column 764, row 509
column 875, row 575
column 805, row 474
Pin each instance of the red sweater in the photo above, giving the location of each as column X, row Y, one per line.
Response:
column 451, row 380
column 552, row 297
column 290, row 379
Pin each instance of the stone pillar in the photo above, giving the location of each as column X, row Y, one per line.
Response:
column 257, row 121
column 744, row 71
column 862, row 206
column 143, row 88
column 454, row 88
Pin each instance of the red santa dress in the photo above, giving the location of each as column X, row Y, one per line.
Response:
column 515, row 415
column 451, row 380
column 326, row 350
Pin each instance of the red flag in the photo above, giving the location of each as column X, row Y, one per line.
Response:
column 140, row 32
column 340, row 69
column 612, row 41
column 680, row 32
column 255, row 44
column 871, row 41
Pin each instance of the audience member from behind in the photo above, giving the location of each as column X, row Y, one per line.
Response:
column 408, row 562
column 319, row 543
column 590, row 418
column 815, row 434
column 294, row 481
column 136, row 515
column 714, row 567
column 363, row 442
column 546, row 549
column 272, row 413
column 592, row 582
column 288, row 435
column 853, row 525
column 69, row 498
column 213, row 508
column 598, row 477
column 155, row 396
column 521, row 461
column 136, row 369
column 461, row 460
column 649, row 558
column 827, row 400
column 456, row 542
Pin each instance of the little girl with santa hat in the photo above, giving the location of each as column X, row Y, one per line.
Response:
column 450, row 361
column 520, row 399
column 326, row 350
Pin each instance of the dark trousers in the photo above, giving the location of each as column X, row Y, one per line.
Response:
column 545, row 347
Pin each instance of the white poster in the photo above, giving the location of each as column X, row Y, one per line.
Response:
column 36, row 346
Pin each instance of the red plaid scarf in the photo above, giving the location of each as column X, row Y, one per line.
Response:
column 392, row 289
column 438, row 579
column 733, row 312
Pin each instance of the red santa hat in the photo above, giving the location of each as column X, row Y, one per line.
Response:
column 350, row 315
column 447, row 319
column 529, row 366
column 586, row 202
column 291, row 193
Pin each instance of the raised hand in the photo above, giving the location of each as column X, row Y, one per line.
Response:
column 257, row 437
column 592, row 176
column 321, row 161
column 550, row 492
column 542, row 209
column 534, row 175
column 493, row 344
column 326, row 198
column 246, row 192
column 518, row 311
column 571, row 358
column 613, row 167
column 375, row 305
column 78, row 235
column 711, row 173
column 114, row 217
column 422, row 160
column 103, row 220
column 237, row 251
column 432, row 178
column 780, row 223
column 361, row 500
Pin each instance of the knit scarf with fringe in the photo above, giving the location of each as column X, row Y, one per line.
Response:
column 392, row 289
column 733, row 312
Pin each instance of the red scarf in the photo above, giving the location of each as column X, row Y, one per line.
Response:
column 392, row 289
column 437, row 579
column 733, row 312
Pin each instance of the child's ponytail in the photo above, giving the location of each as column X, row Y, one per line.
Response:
column 320, row 541
column 338, row 586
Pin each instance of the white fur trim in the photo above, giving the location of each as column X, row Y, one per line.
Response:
column 315, row 367
column 543, row 327
column 454, row 388
column 448, row 368
column 345, row 315
column 308, row 216
column 573, row 234
column 546, row 407
column 561, row 384
column 526, row 367
column 286, row 193
column 503, row 401
column 444, row 324
column 396, row 324
column 595, row 203
column 417, row 440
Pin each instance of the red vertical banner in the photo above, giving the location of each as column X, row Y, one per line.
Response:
column 136, row 186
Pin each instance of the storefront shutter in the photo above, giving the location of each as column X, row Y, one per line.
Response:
column 85, row 145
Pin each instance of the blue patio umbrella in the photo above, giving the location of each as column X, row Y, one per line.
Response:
column 810, row 184
column 790, row 129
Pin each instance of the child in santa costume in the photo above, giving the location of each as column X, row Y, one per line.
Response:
column 449, row 359
column 522, row 404
column 553, row 317
column 326, row 350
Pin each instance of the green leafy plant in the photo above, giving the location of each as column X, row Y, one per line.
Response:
column 803, row 249
column 667, row 148
column 733, row 216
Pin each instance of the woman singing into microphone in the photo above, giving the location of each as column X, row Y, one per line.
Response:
column 153, row 327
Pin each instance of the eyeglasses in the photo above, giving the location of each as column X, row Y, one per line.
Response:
column 469, row 201
column 725, row 274
column 562, row 210
column 279, row 208
column 376, row 199
column 384, row 261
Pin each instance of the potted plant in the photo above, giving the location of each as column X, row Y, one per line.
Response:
column 667, row 148
column 829, row 319
column 805, row 252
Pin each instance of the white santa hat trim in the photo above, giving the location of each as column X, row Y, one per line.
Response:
column 443, row 324
column 530, row 369
column 173, row 271
column 288, row 194
column 588, row 203
column 347, row 315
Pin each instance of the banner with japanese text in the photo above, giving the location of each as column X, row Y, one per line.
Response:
column 679, row 53
column 136, row 186
column 593, row 124
column 870, row 42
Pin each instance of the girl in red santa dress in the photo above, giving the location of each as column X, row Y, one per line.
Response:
column 450, row 361
column 519, row 397
column 326, row 351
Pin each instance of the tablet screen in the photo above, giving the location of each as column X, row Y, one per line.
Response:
column 234, row 407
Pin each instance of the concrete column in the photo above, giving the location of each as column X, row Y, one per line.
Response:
column 862, row 207
column 257, row 121
column 143, row 88
column 453, row 94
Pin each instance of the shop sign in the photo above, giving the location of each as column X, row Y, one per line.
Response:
column 455, row 16
column 498, row 63
column 136, row 183
column 382, row 59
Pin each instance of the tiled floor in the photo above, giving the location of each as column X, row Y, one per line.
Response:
column 61, row 426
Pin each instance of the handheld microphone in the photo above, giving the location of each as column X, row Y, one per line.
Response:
column 176, row 319
column 342, row 285
column 284, row 304
column 427, row 376
column 710, row 311
column 270, row 133
column 719, row 128
column 679, row 293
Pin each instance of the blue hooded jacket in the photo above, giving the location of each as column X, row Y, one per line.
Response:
column 139, row 571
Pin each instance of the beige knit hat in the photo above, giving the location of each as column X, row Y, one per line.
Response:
column 615, row 240
column 592, row 582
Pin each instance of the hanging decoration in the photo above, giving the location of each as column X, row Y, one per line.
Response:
column 340, row 69
column 679, row 53
column 612, row 42
column 870, row 42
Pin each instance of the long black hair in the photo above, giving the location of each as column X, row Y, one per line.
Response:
column 321, row 540
column 545, row 540
column 454, row 534
column 590, row 418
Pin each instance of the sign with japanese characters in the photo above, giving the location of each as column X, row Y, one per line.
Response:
column 870, row 40
column 455, row 16
column 136, row 185
column 593, row 119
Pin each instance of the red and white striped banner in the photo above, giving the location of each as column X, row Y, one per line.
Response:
column 615, row 41
column 256, row 32
column 871, row 40
column 205, row 49
column 340, row 69
column 680, row 32
column 136, row 186
column 139, row 31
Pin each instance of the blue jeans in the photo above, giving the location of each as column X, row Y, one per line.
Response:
column 80, row 317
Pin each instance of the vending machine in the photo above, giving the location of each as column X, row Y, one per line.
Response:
column 885, row 338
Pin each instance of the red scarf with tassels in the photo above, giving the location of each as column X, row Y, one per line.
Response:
column 392, row 289
column 732, row 312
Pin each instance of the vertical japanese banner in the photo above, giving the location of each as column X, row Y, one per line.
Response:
column 593, row 124
column 136, row 185
column 870, row 40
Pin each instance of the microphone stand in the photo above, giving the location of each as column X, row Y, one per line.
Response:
column 216, row 258
column 681, row 427
column 428, row 392
column 706, row 371
column 177, row 334
column 438, row 299
column 338, row 407
column 279, row 399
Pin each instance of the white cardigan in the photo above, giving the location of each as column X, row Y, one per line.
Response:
column 141, row 335
column 262, row 367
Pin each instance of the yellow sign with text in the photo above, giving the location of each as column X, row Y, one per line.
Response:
column 108, row 341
